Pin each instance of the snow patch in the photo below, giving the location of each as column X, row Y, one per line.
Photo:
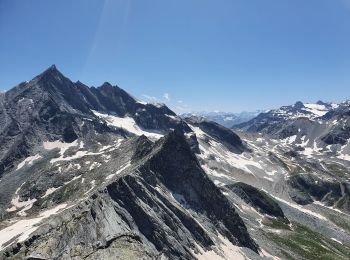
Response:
column 16, row 204
column 336, row 240
column 225, row 250
column 92, row 187
column 316, row 109
column 77, row 155
column 29, row 161
column 302, row 209
column 94, row 165
column 59, row 144
column 50, row 191
column 119, row 171
column 127, row 123
column 23, row 228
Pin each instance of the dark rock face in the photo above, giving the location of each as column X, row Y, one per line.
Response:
column 52, row 107
column 258, row 124
column 310, row 187
column 258, row 199
column 340, row 132
column 298, row 105
column 222, row 134
column 181, row 173
column 165, row 206
column 338, row 135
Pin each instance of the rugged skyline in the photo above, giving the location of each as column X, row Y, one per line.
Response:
column 93, row 173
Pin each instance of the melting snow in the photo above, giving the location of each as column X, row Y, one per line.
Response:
column 23, row 228
column 16, row 204
column 316, row 109
column 302, row 209
column 94, row 165
column 245, row 162
column 175, row 118
column 268, row 178
column 77, row 155
column 127, row 123
column 50, row 191
column 59, row 144
column 92, row 187
column 336, row 240
column 227, row 251
column 119, row 171
column 29, row 160
column 75, row 178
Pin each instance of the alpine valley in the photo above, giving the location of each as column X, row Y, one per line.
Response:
column 93, row 173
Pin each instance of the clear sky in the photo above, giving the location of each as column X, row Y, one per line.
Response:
column 227, row 55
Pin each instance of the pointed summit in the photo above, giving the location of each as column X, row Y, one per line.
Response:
column 299, row 105
column 51, row 71
column 320, row 102
column 107, row 85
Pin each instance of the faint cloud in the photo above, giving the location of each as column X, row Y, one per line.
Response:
column 166, row 96
column 180, row 108
column 183, row 108
column 150, row 98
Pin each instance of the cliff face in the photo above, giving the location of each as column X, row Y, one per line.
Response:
column 164, row 205
column 52, row 107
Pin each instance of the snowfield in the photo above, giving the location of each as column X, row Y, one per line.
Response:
column 127, row 123
column 23, row 228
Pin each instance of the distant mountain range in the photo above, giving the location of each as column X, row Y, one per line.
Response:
column 327, row 123
column 93, row 173
column 226, row 119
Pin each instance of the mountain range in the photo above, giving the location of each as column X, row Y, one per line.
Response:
column 93, row 173
column 226, row 119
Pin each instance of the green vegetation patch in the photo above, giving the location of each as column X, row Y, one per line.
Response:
column 308, row 244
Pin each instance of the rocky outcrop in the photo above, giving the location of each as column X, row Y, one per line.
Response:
column 52, row 107
column 258, row 199
column 307, row 188
column 222, row 134
column 164, row 206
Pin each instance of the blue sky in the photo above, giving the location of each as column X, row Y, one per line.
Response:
column 227, row 55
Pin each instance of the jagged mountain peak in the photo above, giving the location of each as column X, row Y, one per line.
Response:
column 118, row 173
column 53, row 107
column 50, row 73
column 320, row 102
column 51, row 69
column 224, row 135
column 176, row 140
column 299, row 105
column 107, row 85
column 174, row 163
